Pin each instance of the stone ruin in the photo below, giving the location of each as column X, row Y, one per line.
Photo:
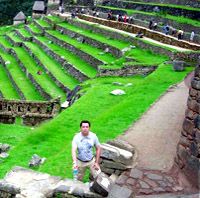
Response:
column 188, row 148
column 31, row 112
column 116, row 157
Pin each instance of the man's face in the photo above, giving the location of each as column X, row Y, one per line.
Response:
column 85, row 128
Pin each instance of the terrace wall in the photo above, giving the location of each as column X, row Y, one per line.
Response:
column 127, row 71
column 148, row 33
column 113, row 50
column 193, row 14
column 32, row 112
column 188, row 148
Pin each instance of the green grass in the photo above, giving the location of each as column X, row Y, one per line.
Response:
column 165, row 5
column 178, row 19
column 54, row 67
column 95, row 52
column 6, row 86
column 5, row 42
column 23, row 83
column 25, row 33
column 44, row 80
column 76, row 61
column 55, row 19
column 43, row 23
column 109, row 41
column 140, row 57
column 14, row 36
column 110, row 116
column 5, row 29
column 13, row 134
column 34, row 28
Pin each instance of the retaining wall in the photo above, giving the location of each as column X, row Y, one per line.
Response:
column 188, row 148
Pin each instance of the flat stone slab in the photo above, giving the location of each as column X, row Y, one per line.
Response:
column 29, row 181
column 116, row 154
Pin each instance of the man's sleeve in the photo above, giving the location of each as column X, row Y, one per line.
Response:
column 74, row 141
column 96, row 141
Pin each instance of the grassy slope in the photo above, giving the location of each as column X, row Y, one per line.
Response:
column 141, row 56
column 53, row 66
column 110, row 116
column 6, row 87
column 98, row 37
column 95, row 52
column 44, row 80
column 24, row 32
column 76, row 61
column 20, row 78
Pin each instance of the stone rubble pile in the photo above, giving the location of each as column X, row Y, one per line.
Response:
column 3, row 150
column 116, row 157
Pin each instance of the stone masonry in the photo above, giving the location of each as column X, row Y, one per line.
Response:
column 188, row 148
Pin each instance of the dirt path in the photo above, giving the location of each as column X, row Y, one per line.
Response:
column 157, row 133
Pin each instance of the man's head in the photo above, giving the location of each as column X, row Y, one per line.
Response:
column 85, row 127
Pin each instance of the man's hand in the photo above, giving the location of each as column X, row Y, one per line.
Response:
column 75, row 165
column 96, row 166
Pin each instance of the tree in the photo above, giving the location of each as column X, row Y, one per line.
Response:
column 9, row 9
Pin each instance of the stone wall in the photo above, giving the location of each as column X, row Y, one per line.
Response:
column 188, row 148
column 148, row 33
column 193, row 14
column 58, row 83
column 113, row 50
column 23, row 37
column 67, row 66
column 143, row 20
column 190, row 56
column 37, row 86
column 33, row 33
column 83, row 55
column 32, row 112
column 127, row 71
column 13, row 42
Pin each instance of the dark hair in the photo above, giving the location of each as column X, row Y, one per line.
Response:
column 84, row 121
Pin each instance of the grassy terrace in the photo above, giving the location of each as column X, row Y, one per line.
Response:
column 6, row 87
column 95, row 52
column 55, row 19
column 77, row 62
column 53, row 66
column 44, row 80
column 14, row 37
column 34, row 28
column 5, row 42
column 98, row 37
column 140, row 58
column 98, row 106
column 25, row 33
column 178, row 19
column 23, row 83
column 165, row 5
column 43, row 23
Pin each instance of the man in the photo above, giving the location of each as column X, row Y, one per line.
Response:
column 84, row 142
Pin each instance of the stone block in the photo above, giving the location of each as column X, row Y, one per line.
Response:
column 178, row 65
column 4, row 147
column 184, row 141
column 197, row 122
column 122, row 144
column 102, row 184
column 116, row 154
column 118, row 191
column 193, row 105
column 193, row 92
column 190, row 114
column 188, row 126
column 195, row 84
column 194, row 148
column 114, row 165
column 121, row 179
column 136, row 173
